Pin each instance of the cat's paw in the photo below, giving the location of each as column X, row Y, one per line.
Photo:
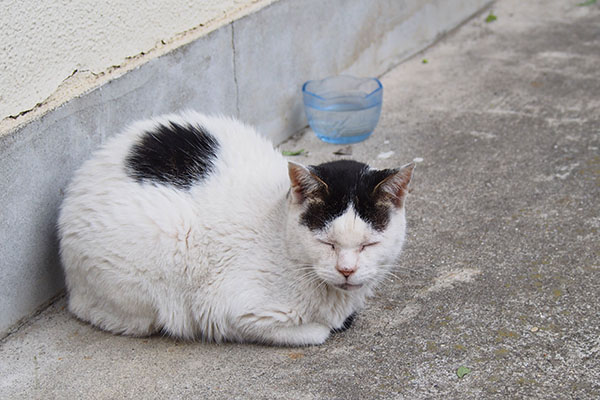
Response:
column 310, row 334
column 276, row 329
column 268, row 317
column 346, row 324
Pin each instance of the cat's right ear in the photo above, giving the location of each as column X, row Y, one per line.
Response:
column 395, row 186
column 304, row 184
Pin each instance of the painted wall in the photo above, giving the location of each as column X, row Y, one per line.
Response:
column 43, row 42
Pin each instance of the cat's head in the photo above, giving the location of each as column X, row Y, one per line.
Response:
column 346, row 221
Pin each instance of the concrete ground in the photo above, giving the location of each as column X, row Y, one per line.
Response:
column 501, row 272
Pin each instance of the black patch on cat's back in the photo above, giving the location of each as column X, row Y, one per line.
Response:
column 173, row 154
column 348, row 182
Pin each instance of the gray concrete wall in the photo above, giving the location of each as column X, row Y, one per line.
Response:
column 251, row 68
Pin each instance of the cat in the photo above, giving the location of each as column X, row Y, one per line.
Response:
column 195, row 227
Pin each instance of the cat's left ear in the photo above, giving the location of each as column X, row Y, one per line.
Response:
column 394, row 187
column 304, row 184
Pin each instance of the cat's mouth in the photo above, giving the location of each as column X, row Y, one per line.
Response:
column 348, row 286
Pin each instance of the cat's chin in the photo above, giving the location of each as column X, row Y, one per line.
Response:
column 349, row 287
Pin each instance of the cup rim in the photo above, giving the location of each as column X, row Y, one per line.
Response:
column 366, row 96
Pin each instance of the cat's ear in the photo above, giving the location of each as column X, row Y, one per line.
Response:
column 395, row 186
column 304, row 184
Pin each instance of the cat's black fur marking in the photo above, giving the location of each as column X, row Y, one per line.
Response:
column 346, row 325
column 347, row 182
column 173, row 154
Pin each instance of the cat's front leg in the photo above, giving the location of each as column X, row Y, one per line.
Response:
column 281, row 327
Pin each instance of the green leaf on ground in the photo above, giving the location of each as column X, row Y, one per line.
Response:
column 587, row 3
column 425, row 61
column 491, row 18
column 292, row 153
column 462, row 371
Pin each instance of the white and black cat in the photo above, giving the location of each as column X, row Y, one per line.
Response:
column 196, row 227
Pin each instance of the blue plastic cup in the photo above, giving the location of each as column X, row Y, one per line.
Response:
column 343, row 109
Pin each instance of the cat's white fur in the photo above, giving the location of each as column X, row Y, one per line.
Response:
column 226, row 260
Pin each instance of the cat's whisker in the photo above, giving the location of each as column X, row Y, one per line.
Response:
column 307, row 283
column 398, row 269
column 391, row 276
column 307, row 279
column 320, row 285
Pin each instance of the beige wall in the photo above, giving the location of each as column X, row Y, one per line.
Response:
column 43, row 42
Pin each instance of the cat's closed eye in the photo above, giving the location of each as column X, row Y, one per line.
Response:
column 364, row 246
column 332, row 245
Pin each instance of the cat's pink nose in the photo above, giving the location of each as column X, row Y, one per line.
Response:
column 346, row 271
